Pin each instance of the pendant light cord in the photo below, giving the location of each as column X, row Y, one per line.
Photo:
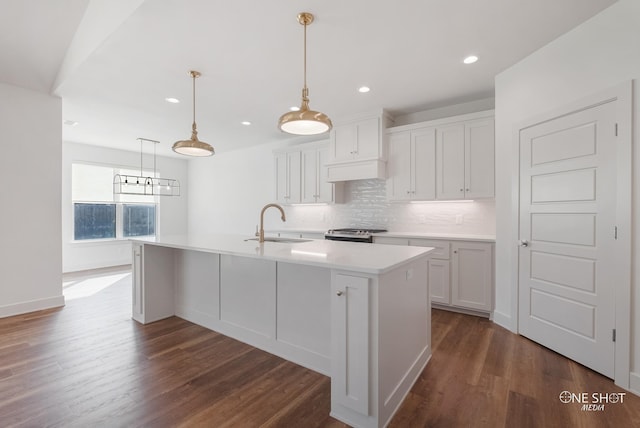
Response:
column 194, row 100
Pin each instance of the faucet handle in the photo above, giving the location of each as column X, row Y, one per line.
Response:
column 257, row 233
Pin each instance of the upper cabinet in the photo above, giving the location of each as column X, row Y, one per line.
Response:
column 301, row 175
column 465, row 160
column 444, row 159
column 288, row 173
column 411, row 165
column 357, row 149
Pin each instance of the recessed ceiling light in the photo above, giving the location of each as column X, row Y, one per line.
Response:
column 364, row 89
column 70, row 122
column 246, row 122
column 294, row 108
column 172, row 100
column 470, row 59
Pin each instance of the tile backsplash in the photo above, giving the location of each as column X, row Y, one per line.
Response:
column 366, row 205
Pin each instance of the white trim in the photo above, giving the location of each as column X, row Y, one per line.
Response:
column 484, row 114
column 634, row 382
column 622, row 94
column 503, row 320
column 31, row 306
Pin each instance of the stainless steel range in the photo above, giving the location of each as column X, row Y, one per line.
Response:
column 351, row 234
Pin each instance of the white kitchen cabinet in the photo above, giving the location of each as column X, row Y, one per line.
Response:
column 356, row 141
column 315, row 187
column 411, row 165
column 465, row 160
column 357, row 149
column 350, row 342
column 472, row 275
column 287, row 177
column 460, row 272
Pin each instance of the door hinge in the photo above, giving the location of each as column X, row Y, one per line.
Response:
column 615, row 232
column 613, row 335
column 616, row 130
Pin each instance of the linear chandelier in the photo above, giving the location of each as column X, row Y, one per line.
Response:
column 141, row 185
column 305, row 121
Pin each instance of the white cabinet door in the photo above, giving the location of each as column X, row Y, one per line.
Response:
column 343, row 142
column 472, row 275
column 423, row 165
column 479, row 159
column 439, row 281
column 399, row 167
column 326, row 190
column 350, row 342
column 288, row 169
column 356, row 141
column 367, row 143
column 309, row 176
column 450, row 162
column 411, row 165
column 314, row 184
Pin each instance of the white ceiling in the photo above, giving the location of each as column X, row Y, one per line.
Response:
column 114, row 62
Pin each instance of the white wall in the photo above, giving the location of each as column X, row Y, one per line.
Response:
column 30, row 254
column 172, row 212
column 600, row 53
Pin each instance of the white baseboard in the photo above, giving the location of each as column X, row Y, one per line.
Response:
column 31, row 306
column 503, row 320
column 634, row 383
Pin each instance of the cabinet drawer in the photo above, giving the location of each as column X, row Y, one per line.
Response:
column 390, row 241
column 441, row 248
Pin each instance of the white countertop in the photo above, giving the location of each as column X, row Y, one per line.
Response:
column 447, row 236
column 352, row 256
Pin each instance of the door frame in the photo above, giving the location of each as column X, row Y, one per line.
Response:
column 622, row 94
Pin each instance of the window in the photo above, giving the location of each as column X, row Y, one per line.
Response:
column 99, row 214
column 94, row 221
column 139, row 220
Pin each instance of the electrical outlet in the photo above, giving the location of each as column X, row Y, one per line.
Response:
column 459, row 218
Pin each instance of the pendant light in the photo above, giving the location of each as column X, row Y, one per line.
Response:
column 145, row 185
column 305, row 121
column 193, row 146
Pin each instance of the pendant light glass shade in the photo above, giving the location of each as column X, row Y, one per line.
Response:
column 193, row 146
column 305, row 121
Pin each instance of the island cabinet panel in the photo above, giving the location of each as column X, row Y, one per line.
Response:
column 153, row 292
column 304, row 308
column 198, row 286
column 247, row 294
column 350, row 364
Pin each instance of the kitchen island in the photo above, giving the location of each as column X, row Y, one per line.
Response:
column 359, row 313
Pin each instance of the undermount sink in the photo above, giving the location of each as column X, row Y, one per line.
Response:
column 283, row 240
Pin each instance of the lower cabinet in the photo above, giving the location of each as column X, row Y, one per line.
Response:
column 350, row 342
column 460, row 272
column 472, row 275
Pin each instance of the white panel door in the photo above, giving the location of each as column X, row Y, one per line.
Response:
column 439, row 281
column 567, row 224
column 325, row 189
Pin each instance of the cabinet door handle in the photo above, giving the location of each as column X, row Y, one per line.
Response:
column 339, row 293
column 523, row 243
column 467, row 190
column 455, row 251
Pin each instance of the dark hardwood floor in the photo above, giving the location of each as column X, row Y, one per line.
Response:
column 90, row 365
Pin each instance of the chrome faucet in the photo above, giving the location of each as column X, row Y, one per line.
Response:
column 261, row 235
